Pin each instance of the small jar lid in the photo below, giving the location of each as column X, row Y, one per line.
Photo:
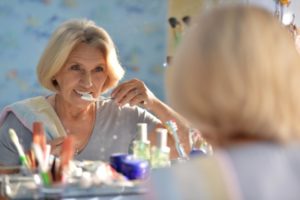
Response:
column 197, row 152
column 135, row 169
column 116, row 160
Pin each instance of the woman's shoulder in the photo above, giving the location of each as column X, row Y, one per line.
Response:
column 29, row 105
column 25, row 110
column 24, row 104
column 29, row 101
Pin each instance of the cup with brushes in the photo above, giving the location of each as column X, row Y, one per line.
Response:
column 50, row 173
column 62, row 176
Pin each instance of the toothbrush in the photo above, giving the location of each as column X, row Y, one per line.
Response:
column 172, row 128
column 15, row 140
column 89, row 97
column 43, row 165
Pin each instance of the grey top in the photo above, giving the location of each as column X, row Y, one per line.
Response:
column 114, row 130
column 261, row 171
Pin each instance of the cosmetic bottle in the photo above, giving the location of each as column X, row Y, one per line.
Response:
column 141, row 145
column 199, row 146
column 160, row 154
column 135, row 169
column 117, row 159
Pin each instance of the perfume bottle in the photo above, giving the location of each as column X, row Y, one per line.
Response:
column 141, row 145
column 160, row 154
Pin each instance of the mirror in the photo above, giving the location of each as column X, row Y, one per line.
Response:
column 139, row 28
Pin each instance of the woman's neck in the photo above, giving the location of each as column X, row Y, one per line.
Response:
column 67, row 111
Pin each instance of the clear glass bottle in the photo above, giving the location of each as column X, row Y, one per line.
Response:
column 141, row 145
column 160, row 154
column 199, row 146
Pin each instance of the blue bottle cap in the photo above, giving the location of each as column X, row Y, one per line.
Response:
column 197, row 152
column 116, row 160
column 135, row 169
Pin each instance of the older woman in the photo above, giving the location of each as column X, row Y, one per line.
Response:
column 81, row 60
column 239, row 75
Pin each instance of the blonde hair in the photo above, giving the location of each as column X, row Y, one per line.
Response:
column 237, row 73
column 66, row 37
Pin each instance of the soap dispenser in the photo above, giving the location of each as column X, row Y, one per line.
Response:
column 141, row 145
column 160, row 154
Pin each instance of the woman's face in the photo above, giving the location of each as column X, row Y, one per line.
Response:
column 83, row 72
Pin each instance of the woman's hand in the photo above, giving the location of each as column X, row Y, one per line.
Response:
column 134, row 92
column 56, row 145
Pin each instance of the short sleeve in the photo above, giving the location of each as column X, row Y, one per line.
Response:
column 146, row 117
column 9, row 154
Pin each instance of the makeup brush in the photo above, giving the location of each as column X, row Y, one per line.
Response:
column 176, row 27
column 186, row 20
column 67, row 151
column 66, row 155
column 173, row 22
column 15, row 140
column 38, row 135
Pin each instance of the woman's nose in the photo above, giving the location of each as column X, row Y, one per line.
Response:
column 87, row 80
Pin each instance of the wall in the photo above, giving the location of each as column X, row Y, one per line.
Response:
column 137, row 27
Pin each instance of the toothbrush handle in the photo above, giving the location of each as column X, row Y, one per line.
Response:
column 23, row 161
column 179, row 147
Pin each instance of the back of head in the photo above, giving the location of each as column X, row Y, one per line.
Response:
column 236, row 74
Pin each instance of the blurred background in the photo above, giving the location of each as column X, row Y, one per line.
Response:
column 140, row 28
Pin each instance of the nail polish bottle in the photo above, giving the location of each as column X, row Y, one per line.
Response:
column 141, row 145
column 160, row 154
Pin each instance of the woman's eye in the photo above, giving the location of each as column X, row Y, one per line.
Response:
column 99, row 69
column 75, row 67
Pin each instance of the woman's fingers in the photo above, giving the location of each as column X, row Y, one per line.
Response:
column 138, row 100
column 133, row 92
column 122, row 89
column 134, row 97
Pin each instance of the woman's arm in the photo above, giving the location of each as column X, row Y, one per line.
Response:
column 135, row 92
column 165, row 113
